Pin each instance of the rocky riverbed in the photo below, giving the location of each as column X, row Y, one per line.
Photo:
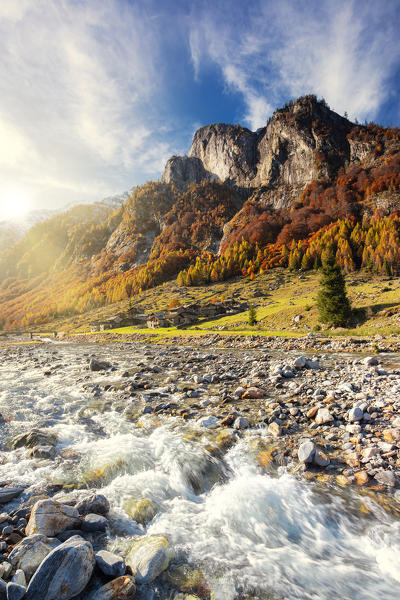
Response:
column 132, row 470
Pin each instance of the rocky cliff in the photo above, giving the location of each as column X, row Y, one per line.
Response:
column 303, row 141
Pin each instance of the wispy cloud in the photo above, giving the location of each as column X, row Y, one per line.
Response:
column 344, row 51
column 76, row 84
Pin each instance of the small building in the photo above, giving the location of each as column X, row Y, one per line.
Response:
column 155, row 320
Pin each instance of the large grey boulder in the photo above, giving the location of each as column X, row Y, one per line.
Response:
column 122, row 588
column 9, row 493
column 99, row 365
column 110, row 564
column 31, row 551
column 95, row 503
column 149, row 557
column 35, row 437
column 50, row 517
column 15, row 591
column 64, row 573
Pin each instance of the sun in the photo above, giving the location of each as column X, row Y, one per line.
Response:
column 14, row 203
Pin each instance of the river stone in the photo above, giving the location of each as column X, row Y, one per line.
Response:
column 49, row 518
column 355, row 414
column 122, row 588
column 64, row 573
column 99, row 365
column 35, row 437
column 15, row 591
column 320, row 458
column 241, row 423
column 386, row 478
column 8, row 493
column 3, row 590
column 323, row 416
column 370, row 361
column 95, row 503
column 94, row 523
column 45, row 452
column 300, row 362
column 19, row 577
column 31, row 551
column 110, row 564
column 209, row 422
column 141, row 510
column 306, row 452
column 149, row 557
column 274, row 429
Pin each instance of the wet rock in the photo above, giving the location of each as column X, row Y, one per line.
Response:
column 94, row 522
column 386, row 477
column 320, row 458
column 49, row 518
column 31, row 551
column 64, row 573
column 274, row 429
column 19, row 577
column 15, row 591
column 98, row 365
column 323, row 416
column 241, row 423
column 5, row 569
column 361, row 477
column 110, row 564
column 122, row 588
column 9, row 493
column 46, row 452
column 3, row 590
column 306, row 452
column 208, row 422
column 66, row 535
column 149, row 557
column 95, row 503
column 141, row 510
column 35, row 437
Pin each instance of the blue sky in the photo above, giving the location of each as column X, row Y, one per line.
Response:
column 95, row 95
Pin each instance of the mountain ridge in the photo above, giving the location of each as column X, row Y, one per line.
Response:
column 239, row 203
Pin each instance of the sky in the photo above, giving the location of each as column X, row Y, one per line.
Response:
column 95, row 95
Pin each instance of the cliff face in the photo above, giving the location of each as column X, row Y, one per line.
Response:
column 301, row 142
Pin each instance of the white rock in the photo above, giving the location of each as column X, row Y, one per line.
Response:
column 355, row 414
column 323, row 416
column 370, row 361
column 208, row 422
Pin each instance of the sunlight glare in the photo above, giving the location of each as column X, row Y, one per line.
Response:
column 14, row 204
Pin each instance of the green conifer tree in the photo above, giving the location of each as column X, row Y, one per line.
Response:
column 333, row 304
column 252, row 316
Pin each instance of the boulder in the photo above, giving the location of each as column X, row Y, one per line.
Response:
column 149, row 557
column 110, row 564
column 95, row 503
column 208, row 422
column 15, row 591
column 94, row 522
column 370, row 361
column 9, row 493
column 99, row 365
column 49, row 518
column 141, row 510
column 31, row 551
column 323, row 416
column 355, row 414
column 122, row 588
column 274, row 429
column 306, row 452
column 241, row 423
column 300, row 362
column 35, row 437
column 46, row 452
column 64, row 573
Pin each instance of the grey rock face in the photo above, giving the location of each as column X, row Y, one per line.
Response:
column 183, row 169
column 110, row 564
column 64, row 573
column 306, row 452
column 15, row 591
column 49, row 518
column 94, row 522
column 95, row 503
column 8, row 493
column 284, row 153
column 122, row 588
column 31, row 551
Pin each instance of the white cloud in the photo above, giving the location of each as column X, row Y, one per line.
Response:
column 77, row 82
column 344, row 51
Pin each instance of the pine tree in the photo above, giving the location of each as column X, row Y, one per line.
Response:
column 333, row 304
column 252, row 316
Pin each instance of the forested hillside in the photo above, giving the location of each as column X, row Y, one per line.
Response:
column 241, row 203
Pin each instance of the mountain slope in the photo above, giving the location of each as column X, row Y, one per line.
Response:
column 241, row 202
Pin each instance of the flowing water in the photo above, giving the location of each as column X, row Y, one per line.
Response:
column 253, row 534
